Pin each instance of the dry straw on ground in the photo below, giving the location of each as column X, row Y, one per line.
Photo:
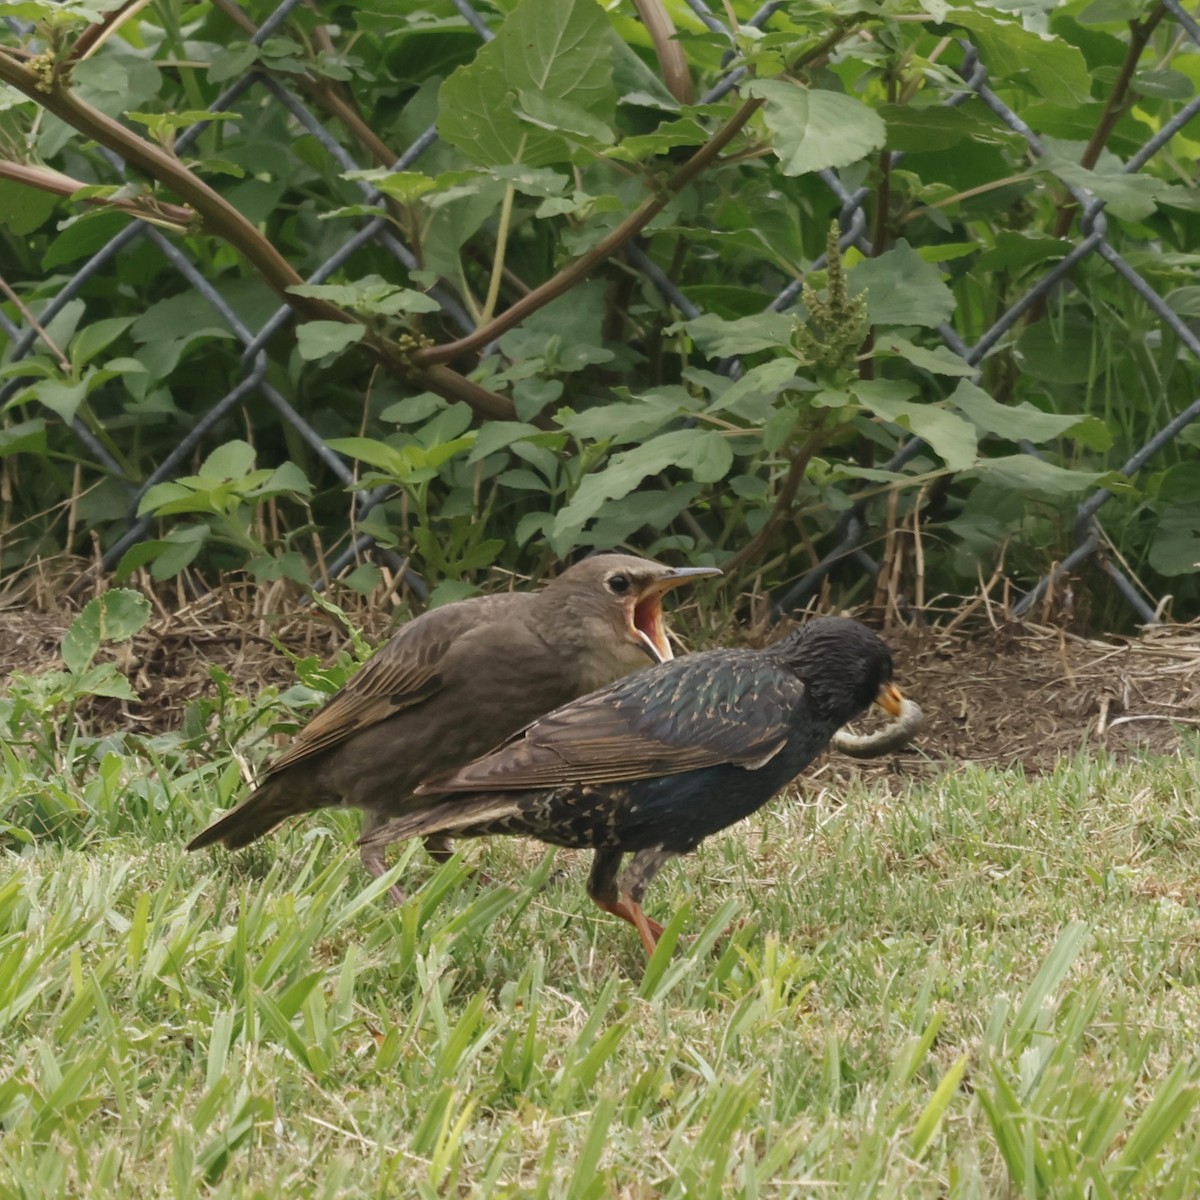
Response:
column 994, row 691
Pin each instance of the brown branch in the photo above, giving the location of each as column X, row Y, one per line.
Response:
column 145, row 208
column 45, row 82
column 671, row 57
column 780, row 512
column 1120, row 100
column 626, row 231
column 586, row 263
column 96, row 34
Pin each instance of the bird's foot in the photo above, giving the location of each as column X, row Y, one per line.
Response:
column 649, row 930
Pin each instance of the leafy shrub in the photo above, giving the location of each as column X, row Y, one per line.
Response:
column 517, row 385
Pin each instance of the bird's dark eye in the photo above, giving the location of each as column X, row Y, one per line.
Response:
column 619, row 584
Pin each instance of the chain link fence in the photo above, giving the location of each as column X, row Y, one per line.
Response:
column 1090, row 242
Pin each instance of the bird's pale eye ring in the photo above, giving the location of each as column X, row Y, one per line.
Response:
column 619, row 584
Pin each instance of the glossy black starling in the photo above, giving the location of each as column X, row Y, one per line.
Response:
column 455, row 682
column 655, row 763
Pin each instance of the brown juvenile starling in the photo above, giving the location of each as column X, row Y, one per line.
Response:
column 455, row 682
column 655, row 763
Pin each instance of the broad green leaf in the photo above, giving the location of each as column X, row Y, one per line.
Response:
column 113, row 616
column 24, row 209
column 1132, row 197
column 723, row 339
column 63, row 398
column 633, row 422
column 547, row 51
column 704, row 452
column 407, row 186
column 684, row 132
column 939, row 360
column 1028, row 474
column 318, row 339
column 370, row 294
column 26, row 437
column 1022, row 421
column 650, row 508
column 233, row 460
column 815, row 130
column 563, row 116
column 752, row 395
column 498, row 435
column 950, row 437
column 902, row 289
column 1055, row 68
column 1063, row 354
column 1176, row 546
column 1014, row 250
column 920, row 130
column 84, row 235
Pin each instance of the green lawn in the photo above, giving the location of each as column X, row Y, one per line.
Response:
column 983, row 986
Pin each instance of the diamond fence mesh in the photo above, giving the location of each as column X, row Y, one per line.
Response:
column 299, row 106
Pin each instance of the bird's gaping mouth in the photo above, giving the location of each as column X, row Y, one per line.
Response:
column 646, row 624
column 644, row 614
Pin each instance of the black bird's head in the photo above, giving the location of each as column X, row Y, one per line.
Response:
column 845, row 668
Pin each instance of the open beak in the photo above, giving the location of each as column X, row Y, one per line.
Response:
column 890, row 699
column 644, row 615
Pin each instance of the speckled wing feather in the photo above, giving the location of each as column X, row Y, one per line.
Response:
column 403, row 673
column 723, row 706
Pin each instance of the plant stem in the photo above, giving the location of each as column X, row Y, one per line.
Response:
column 493, row 292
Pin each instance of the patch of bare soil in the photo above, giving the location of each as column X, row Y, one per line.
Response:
column 999, row 693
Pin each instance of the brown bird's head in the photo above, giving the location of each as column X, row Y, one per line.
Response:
column 608, row 610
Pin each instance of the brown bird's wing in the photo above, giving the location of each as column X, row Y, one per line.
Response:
column 405, row 672
column 718, row 707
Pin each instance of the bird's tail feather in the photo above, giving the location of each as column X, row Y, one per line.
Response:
column 455, row 816
column 259, row 813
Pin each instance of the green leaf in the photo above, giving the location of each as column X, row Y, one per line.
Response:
column 704, row 452
column 370, row 294
column 719, row 338
column 182, row 545
column 1130, row 196
column 1021, row 421
column 561, row 115
column 815, row 130
column 950, row 437
column 318, row 339
column 1063, row 354
column 902, row 289
column 63, row 398
column 752, row 395
column 233, row 460
column 113, row 616
column 685, row 132
column 939, row 360
column 498, row 435
column 1014, row 250
column 1176, row 546
column 546, row 52
column 921, row 130
column 1025, row 473
column 1055, row 68
column 84, row 235
column 26, row 437
column 632, row 422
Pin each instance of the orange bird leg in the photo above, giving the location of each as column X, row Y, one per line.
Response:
column 648, row 929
